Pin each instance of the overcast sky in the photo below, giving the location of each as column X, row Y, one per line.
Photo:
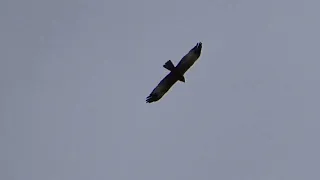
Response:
column 74, row 75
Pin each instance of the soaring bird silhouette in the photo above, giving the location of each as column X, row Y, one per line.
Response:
column 176, row 73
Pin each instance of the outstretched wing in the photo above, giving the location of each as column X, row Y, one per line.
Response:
column 164, row 85
column 189, row 59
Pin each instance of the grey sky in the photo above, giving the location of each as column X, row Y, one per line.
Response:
column 74, row 76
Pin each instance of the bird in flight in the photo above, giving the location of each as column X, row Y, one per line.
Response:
column 176, row 73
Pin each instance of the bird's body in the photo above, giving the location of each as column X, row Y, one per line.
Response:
column 176, row 73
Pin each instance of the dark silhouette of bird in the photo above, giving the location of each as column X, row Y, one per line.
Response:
column 176, row 73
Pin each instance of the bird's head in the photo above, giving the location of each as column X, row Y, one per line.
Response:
column 182, row 79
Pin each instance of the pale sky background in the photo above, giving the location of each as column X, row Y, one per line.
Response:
column 74, row 76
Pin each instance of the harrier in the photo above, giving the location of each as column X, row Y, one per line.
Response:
column 176, row 73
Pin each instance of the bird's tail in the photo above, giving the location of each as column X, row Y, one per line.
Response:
column 169, row 65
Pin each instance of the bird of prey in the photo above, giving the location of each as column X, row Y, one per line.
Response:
column 176, row 73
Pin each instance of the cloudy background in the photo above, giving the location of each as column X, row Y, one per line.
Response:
column 74, row 76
